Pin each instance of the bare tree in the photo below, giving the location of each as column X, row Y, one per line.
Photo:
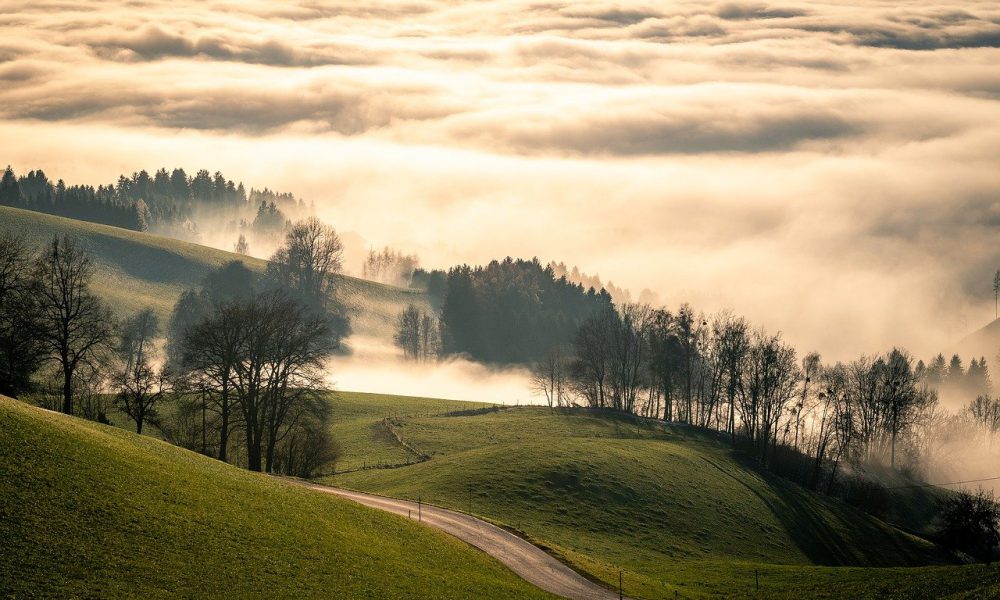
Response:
column 390, row 266
column 810, row 368
column 549, row 376
column 996, row 295
column 20, row 351
column 592, row 368
column 211, row 349
column 74, row 325
column 242, row 247
column 629, row 343
column 285, row 346
column 304, row 264
column 140, row 386
column 768, row 384
column 985, row 412
column 417, row 334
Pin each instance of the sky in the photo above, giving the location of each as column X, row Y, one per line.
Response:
column 828, row 169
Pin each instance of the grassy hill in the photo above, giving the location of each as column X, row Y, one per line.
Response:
column 92, row 511
column 671, row 506
column 137, row 269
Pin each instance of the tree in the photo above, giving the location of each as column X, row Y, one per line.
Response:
column 305, row 264
column 996, row 295
column 390, row 266
column 20, row 351
column 985, row 413
column 417, row 334
column 769, row 378
column 407, row 334
column 592, row 368
column 810, row 368
column 74, row 325
column 205, row 340
column 902, row 396
column 549, row 377
column 969, row 522
column 242, row 247
column 140, row 387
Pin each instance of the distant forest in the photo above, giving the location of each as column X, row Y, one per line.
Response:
column 509, row 311
column 168, row 202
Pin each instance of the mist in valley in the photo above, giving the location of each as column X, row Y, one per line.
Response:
column 375, row 365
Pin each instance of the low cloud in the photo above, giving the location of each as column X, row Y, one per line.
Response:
column 152, row 42
column 827, row 169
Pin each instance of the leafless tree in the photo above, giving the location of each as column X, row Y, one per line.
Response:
column 304, row 264
column 390, row 266
column 242, row 247
column 592, row 368
column 280, row 368
column 417, row 334
column 549, row 377
column 769, row 379
column 139, row 385
column 810, row 368
column 74, row 325
column 985, row 412
column 20, row 352
column 629, row 343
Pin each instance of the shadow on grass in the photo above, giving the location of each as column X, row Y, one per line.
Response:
column 861, row 541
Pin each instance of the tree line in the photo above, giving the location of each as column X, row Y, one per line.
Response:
column 169, row 202
column 720, row 373
column 242, row 375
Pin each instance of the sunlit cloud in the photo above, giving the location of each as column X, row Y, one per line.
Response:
column 827, row 169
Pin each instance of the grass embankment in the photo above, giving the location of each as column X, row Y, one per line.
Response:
column 92, row 511
column 136, row 270
column 671, row 506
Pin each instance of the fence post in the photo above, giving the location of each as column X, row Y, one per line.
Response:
column 619, row 584
column 756, row 577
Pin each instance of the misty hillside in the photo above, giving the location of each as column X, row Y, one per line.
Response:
column 136, row 270
column 984, row 342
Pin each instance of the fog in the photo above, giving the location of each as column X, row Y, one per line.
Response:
column 828, row 170
column 375, row 365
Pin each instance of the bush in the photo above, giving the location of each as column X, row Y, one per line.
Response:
column 306, row 449
column 969, row 522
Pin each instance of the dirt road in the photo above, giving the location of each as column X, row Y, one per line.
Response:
column 528, row 561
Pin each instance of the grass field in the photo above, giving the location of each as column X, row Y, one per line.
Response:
column 136, row 270
column 670, row 506
column 93, row 511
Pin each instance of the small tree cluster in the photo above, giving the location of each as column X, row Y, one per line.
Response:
column 418, row 334
column 390, row 266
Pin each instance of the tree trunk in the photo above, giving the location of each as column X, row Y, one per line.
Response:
column 224, row 428
column 253, row 455
column 67, row 390
column 269, row 457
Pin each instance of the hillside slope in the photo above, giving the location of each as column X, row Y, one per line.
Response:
column 137, row 269
column 984, row 342
column 91, row 511
column 671, row 506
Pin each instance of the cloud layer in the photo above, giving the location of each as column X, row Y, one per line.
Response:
column 828, row 169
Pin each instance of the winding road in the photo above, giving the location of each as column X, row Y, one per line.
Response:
column 528, row 561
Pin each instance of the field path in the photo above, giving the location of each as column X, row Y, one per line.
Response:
column 528, row 561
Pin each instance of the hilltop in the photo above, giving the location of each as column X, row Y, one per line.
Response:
column 136, row 270
column 93, row 511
